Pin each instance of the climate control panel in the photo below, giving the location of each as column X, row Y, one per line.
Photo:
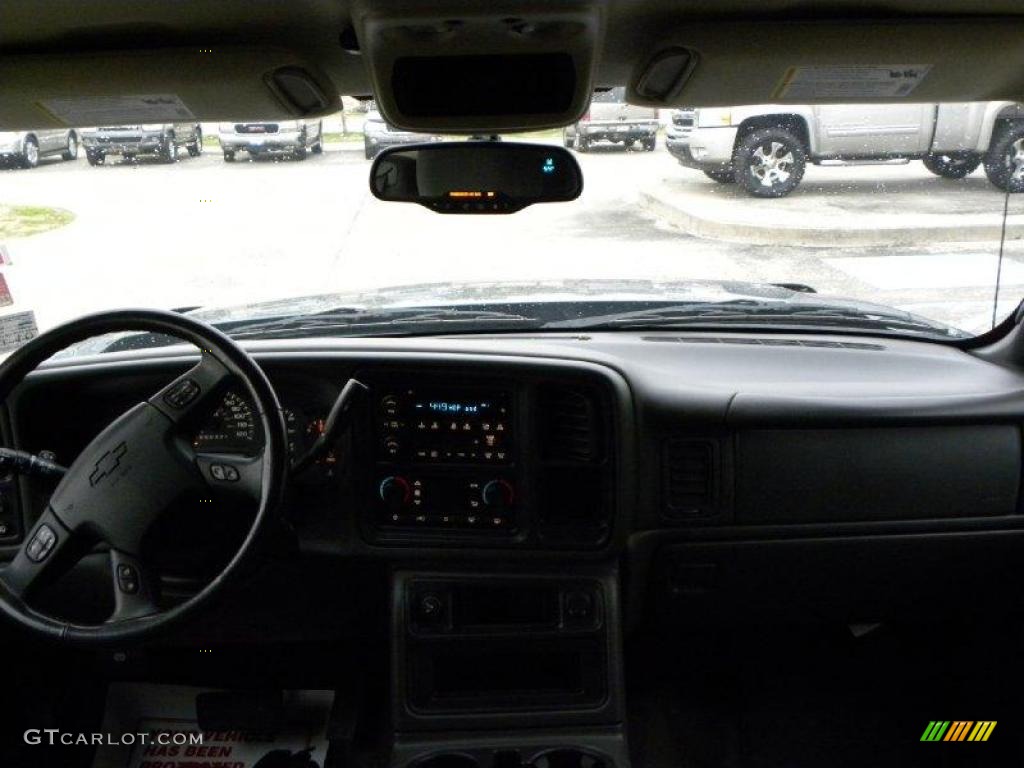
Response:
column 470, row 502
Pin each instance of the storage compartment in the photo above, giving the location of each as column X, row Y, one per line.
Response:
column 947, row 576
column 502, row 674
column 569, row 758
column 477, row 651
column 447, row 760
column 481, row 606
column 530, row 751
column 903, row 473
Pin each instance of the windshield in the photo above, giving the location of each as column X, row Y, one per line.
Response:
column 872, row 219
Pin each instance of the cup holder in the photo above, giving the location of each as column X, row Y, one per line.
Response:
column 569, row 758
column 447, row 760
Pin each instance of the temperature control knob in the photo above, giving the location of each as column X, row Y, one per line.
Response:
column 498, row 494
column 394, row 491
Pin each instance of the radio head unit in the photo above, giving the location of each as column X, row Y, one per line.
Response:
column 445, row 459
column 446, row 426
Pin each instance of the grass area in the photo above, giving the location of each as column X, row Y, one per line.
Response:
column 25, row 220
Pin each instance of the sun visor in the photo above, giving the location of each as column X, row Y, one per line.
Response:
column 112, row 87
column 505, row 69
column 840, row 61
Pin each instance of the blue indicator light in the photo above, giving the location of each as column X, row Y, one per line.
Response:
column 549, row 165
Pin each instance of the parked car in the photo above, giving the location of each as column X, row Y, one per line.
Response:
column 291, row 137
column 378, row 135
column 610, row 118
column 26, row 148
column 766, row 148
column 164, row 140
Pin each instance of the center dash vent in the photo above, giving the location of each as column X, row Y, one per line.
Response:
column 690, row 479
column 570, row 426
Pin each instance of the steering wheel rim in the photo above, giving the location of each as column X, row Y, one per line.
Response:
column 123, row 455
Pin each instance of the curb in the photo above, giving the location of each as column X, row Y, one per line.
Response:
column 878, row 234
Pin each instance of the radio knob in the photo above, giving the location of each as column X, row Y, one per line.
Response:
column 394, row 491
column 497, row 494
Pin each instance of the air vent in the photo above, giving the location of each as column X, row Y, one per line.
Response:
column 691, row 488
column 570, row 426
column 769, row 342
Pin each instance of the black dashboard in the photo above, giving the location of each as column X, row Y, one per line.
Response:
column 722, row 472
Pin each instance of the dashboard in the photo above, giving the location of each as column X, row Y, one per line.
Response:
column 721, row 473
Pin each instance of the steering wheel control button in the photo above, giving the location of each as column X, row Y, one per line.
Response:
column 41, row 544
column 225, row 473
column 182, row 393
column 127, row 578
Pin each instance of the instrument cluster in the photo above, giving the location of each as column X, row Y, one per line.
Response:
column 234, row 428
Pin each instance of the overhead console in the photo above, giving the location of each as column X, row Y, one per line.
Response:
column 456, row 458
column 501, row 67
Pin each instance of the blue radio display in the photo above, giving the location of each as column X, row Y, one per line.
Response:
column 455, row 406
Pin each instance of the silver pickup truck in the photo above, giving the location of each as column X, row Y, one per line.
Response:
column 611, row 119
column 766, row 148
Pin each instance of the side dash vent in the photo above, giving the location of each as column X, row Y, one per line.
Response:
column 690, row 480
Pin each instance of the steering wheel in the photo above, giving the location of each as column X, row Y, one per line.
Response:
column 134, row 470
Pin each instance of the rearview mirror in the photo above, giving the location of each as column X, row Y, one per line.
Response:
column 476, row 176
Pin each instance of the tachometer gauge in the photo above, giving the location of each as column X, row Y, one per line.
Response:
column 232, row 428
column 314, row 429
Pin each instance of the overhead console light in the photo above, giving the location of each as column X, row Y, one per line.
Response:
column 449, row 70
column 665, row 74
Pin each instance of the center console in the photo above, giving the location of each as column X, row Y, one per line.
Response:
column 530, row 664
column 516, row 664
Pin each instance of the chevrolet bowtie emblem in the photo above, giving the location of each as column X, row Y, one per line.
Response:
column 107, row 463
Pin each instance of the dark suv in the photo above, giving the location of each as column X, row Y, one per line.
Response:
column 164, row 140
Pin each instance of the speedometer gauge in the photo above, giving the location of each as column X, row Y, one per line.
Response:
column 232, row 428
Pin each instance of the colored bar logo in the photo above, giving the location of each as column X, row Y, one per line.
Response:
column 958, row 730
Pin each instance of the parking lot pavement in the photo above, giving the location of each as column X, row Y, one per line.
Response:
column 872, row 205
column 203, row 232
